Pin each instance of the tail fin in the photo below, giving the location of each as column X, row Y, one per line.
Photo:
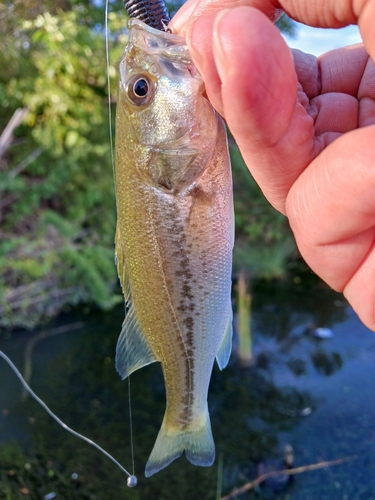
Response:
column 197, row 442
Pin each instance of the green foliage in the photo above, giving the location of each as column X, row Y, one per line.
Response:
column 264, row 242
column 57, row 207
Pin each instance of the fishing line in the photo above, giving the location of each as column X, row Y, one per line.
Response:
column 131, row 425
column 114, row 182
column 131, row 481
column 109, row 90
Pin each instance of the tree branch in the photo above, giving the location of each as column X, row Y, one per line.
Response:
column 25, row 162
column 7, row 134
column 289, row 472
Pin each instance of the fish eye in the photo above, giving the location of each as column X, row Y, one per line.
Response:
column 140, row 90
column 140, row 87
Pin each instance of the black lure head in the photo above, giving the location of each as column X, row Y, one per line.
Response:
column 152, row 12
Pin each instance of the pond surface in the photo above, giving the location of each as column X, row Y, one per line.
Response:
column 314, row 394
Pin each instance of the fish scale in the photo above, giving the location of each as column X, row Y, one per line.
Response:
column 174, row 236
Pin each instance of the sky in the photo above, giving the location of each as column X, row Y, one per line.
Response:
column 317, row 40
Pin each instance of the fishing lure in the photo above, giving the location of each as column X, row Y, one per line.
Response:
column 153, row 13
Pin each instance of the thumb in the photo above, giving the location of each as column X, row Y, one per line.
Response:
column 257, row 73
column 259, row 100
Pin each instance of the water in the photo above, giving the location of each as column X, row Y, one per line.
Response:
column 314, row 394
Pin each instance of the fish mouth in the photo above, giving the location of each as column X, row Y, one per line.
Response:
column 159, row 42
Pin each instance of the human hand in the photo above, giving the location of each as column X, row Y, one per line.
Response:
column 305, row 127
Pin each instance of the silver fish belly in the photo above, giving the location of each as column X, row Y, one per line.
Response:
column 174, row 236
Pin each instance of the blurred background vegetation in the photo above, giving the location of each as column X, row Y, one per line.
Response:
column 57, row 206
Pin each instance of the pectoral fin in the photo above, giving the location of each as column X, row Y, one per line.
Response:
column 225, row 348
column 132, row 350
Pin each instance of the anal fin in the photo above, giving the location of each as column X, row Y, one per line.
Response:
column 223, row 354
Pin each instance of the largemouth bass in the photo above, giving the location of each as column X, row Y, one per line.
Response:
column 174, row 236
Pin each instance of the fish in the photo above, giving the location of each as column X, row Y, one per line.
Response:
column 174, row 235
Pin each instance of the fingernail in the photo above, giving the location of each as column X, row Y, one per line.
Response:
column 182, row 17
column 221, row 59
